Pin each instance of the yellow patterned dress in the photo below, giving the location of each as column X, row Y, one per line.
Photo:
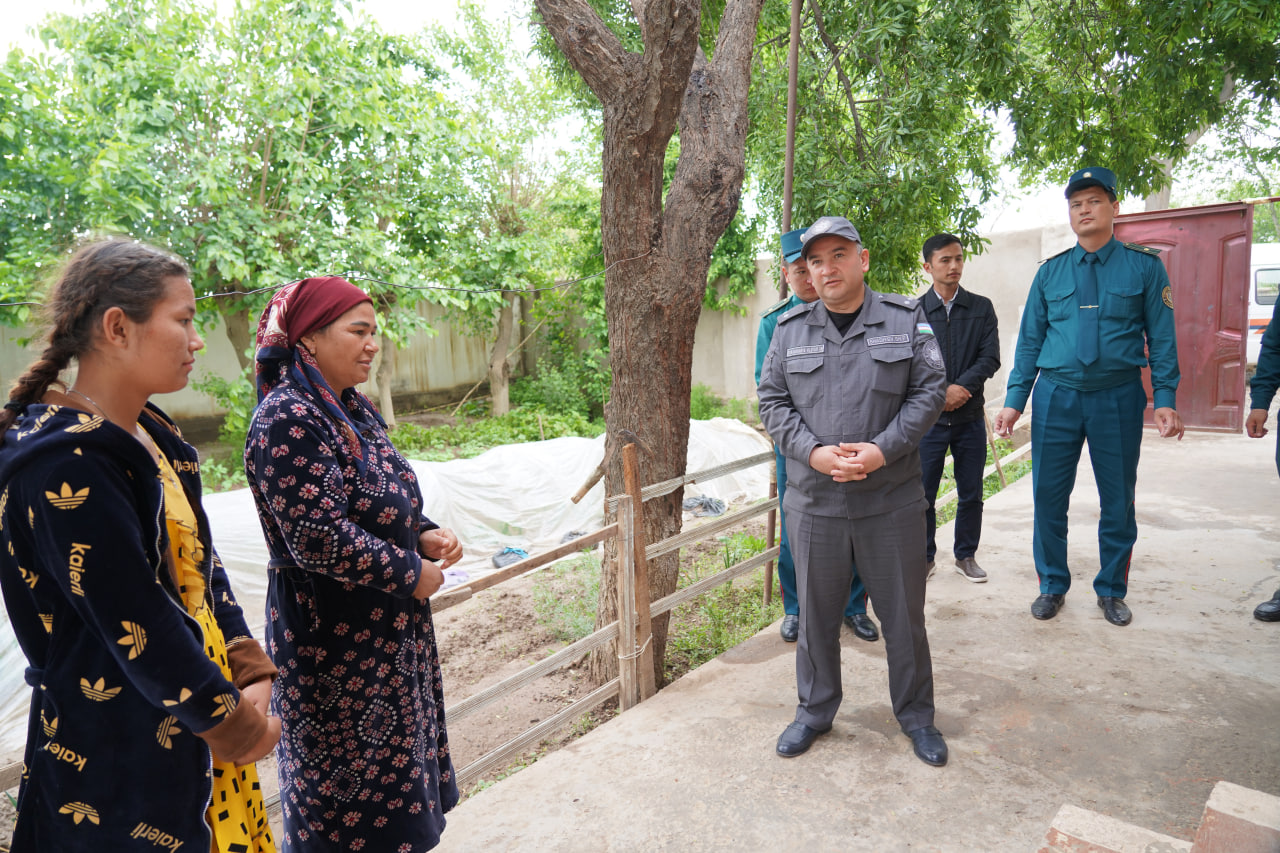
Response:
column 236, row 813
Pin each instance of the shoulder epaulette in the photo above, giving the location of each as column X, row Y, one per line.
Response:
column 777, row 306
column 1059, row 254
column 1146, row 250
column 899, row 299
column 798, row 311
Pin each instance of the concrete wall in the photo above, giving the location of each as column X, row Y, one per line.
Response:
column 724, row 344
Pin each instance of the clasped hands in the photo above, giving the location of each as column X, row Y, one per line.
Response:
column 847, row 461
column 437, row 544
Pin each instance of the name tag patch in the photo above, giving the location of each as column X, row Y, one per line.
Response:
column 809, row 350
column 889, row 339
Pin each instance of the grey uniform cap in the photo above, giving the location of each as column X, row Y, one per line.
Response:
column 836, row 226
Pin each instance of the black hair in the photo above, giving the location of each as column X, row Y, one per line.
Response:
column 936, row 242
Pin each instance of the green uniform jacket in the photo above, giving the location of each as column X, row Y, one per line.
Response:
column 769, row 322
column 1136, row 311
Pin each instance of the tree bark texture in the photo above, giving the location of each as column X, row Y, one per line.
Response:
column 386, row 372
column 657, row 254
column 499, row 367
column 241, row 330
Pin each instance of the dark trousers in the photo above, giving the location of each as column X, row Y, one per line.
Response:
column 890, row 552
column 1062, row 420
column 968, row 445
column 857, row 602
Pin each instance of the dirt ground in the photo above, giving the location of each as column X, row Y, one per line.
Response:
column 493, row 636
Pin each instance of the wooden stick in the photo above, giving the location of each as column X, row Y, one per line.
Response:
column 770, row 532
column 625, row 587
column 459, row 594
column 995, row 454
column 589, row 484
column 644, row 622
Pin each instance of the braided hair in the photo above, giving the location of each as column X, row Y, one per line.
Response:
column 109, row 273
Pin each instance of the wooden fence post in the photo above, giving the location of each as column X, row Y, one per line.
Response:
column 643, row 635
column 628, row 686
column 770, row 534
column 995, row 454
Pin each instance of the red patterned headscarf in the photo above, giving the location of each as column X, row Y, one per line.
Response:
column 296, row 310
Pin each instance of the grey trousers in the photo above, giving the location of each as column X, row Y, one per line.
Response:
column 890, row 552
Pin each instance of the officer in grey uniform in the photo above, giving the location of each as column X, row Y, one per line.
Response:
column 850, row 385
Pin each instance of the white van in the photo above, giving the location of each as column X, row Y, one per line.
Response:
column 1264, row 287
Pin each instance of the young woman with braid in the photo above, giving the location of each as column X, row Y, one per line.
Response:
column 149, row 694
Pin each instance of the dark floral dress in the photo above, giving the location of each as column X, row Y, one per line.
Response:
column 364, row 759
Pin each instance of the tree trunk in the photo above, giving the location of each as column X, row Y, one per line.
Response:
column 241, row 329
column 386, row 372
column 657, row 254
column 1159, row 200
column 499, row 368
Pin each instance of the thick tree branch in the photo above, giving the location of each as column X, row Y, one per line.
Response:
column 590, row 46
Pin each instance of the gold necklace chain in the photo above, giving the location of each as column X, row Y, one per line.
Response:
column 92, row 402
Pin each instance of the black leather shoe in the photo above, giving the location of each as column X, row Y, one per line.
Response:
column 790, row 629
column 863, row 627
column 1268, row 611
column 1116, row 611
column 929, row 745
column 1047, row 605
column 797, row 738
column 929, row 568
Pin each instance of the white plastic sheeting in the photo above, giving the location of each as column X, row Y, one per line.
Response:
column 511, row 496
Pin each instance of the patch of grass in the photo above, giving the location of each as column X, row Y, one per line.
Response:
column 725, row 616
column 462, row 441
column 990, row 485
column 705, row 405
column 566, row 595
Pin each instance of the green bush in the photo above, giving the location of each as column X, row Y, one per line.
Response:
column 222, row 475
column 462, row 441
column 553, row 390
column 705, row 405
column 239, row 398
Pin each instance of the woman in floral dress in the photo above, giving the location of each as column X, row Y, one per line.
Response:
column 364, row 759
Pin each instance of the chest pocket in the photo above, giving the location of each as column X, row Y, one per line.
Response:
column 893, row 368
column 804, row 380
column 1122, row 298
column 1060, row 300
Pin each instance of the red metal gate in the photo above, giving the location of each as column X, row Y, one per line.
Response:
column 1206, row 253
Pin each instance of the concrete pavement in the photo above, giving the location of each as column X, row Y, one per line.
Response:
column 1137, row 722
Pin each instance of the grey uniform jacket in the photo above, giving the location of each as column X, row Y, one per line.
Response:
column 882, row 382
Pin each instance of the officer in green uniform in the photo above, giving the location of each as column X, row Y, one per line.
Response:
column 1091, row 311
column 796, row 273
